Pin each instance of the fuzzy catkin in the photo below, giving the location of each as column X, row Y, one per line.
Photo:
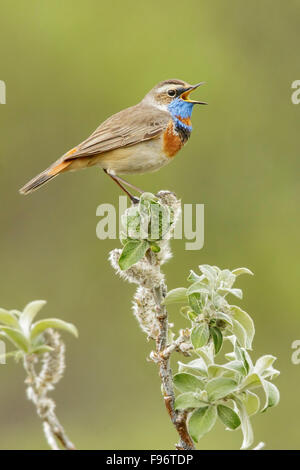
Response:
column 142, row 273
column 144, row 309
column 53, row 363
column 146, row 273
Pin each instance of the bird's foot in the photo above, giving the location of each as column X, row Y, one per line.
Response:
column 134, row 199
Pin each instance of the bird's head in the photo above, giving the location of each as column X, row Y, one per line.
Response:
column 172, row 94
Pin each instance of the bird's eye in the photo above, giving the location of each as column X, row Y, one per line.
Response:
column 172, row 92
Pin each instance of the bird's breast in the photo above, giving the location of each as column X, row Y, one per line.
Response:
column 176, row 135
column 143, row 157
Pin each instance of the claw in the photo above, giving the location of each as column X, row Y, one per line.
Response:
column 134, row 200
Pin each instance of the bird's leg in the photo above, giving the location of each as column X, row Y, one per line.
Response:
column 139, row 190
column 133, row 199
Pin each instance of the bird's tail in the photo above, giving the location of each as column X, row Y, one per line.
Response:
column 44, row 177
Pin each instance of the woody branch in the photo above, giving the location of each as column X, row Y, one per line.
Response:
column 162, row 356
column 149, row 309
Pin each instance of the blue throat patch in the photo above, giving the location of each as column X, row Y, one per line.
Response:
column 183, row 109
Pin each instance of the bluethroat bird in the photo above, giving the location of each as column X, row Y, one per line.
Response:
column 139, row 139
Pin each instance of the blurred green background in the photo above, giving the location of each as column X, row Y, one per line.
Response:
column 67, row 67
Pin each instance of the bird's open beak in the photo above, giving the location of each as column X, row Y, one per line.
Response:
column 186, row 92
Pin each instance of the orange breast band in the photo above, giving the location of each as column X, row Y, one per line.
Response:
column 187, row 121
column 172, row 143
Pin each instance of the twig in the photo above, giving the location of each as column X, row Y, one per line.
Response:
column 38, row 386
column 178, row 419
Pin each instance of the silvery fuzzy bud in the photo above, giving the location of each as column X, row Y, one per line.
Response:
column 142, row 273
column 144, row 309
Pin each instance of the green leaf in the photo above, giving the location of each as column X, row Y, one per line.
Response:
column 237, row 351
column 176, row 296
column 148, row 198
column 210, row 272
column 236, row 292
column 195, row 302
column 123, row 238
column 228, row 417
column 161, row 221
column 197, row 365
column 188, row 313
column 239, row 271
column 8, row 318
column 202, row 421
column 29, row 313
column 193, row 277
column 252, row 380
column 200, row 286
column 272, row 394
column 187, row 382
column 239, row 332
column 247, row 323
column 215, row 370
column 133, row 251
column 200, row 335
column 251, row 402
column 191, row 315
column 239, row 354
column 220, row 387
column 270, row 373
column 245, row 425
column 155, row 248
column 131, row 221
column 263, row 363
column 217, row 337
column 15, row 312
column 188, row 400
column 16, row 337
column 226, row 279
column 231, row 355
column 42, row 349
column 246, row 360
column 207, row 354
column 237, row 366
column 42, row 325
column 224, row 317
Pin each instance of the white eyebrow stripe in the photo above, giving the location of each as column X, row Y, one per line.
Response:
column 166, row 87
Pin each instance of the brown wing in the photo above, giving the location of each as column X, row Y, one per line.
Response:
column 128, row 127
